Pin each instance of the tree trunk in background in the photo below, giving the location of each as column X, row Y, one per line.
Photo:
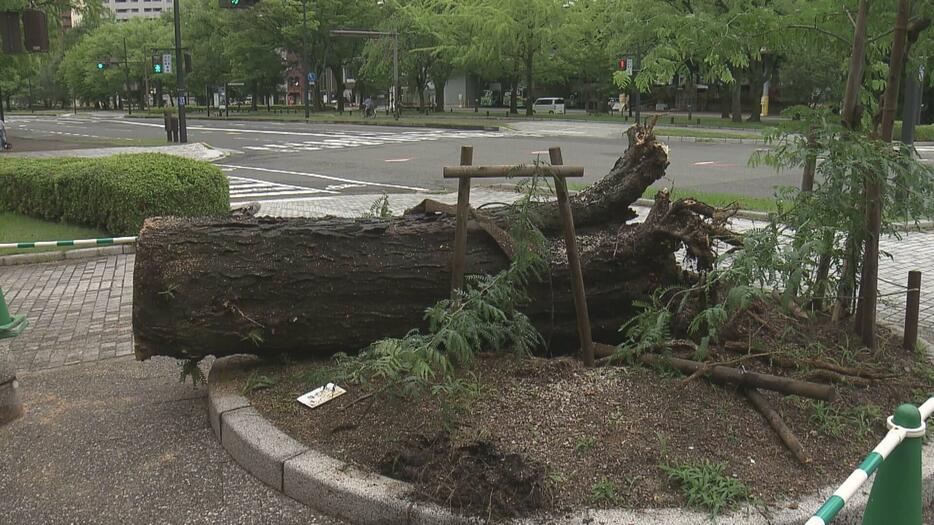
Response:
column 337, row 72
column 219, row 286
column 725, row 98
column 528, row 84
column 736, row 100
column 758, row 74
column 514, row 93
column 869, row 282
column 439, row 94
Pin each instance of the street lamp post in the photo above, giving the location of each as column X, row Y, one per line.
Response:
column 182, row 91
column 305, row 59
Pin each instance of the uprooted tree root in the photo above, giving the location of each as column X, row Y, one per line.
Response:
column 473, row 477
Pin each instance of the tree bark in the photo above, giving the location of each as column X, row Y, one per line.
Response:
column 439, row 94
column 219, row 286
column 724, row 95
column 736, row 100
column 869, row 279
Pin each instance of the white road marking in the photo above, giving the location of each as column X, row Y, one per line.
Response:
column 343, row 186
column 705, row 163
column 538, row 152
column 397, row 160
column 324, row 177
column 244, row 189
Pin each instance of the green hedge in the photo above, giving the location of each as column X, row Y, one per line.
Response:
column 113, row 193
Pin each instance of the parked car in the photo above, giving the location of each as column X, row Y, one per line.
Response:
column 550, row 105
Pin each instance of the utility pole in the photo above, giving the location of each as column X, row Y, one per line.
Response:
column 126, row 76
column 181, row 89
column 305, row 59
column 395, row 75
column 2, row 116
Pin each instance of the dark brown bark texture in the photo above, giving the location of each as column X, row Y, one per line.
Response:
column 221, row 286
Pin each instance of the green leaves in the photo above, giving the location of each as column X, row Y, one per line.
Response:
column 113, row 193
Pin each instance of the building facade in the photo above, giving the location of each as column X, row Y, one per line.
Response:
column 126, row 9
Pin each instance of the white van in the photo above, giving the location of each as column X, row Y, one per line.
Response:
column 550, row 105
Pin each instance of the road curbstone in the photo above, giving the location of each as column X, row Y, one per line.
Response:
column 222, row 394
column 60, row 255
column 340, row 489
column 257, row 446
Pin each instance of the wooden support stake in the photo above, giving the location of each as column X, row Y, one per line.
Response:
column 458, row 263
column 574, row 263
column 775, row 420
column 912, row 306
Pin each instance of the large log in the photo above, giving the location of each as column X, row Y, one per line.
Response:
column 219, row 286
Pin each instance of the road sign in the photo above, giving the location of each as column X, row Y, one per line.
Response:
column 167, row 63
column 312, row 78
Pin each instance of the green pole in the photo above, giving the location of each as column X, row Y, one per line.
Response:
column 895, row 498
column 4, row 311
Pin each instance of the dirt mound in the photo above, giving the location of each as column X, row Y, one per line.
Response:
column 472, row 478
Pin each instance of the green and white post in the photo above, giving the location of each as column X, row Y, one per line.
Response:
column 895, row 498
column 10, row 326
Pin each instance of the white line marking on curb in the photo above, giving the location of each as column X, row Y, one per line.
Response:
column 325, row 177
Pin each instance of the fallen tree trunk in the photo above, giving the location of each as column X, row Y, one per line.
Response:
column 220, row 286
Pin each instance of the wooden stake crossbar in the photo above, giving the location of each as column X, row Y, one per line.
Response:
column 493, row 172
column 465, row 172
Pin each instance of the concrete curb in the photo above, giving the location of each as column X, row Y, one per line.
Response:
column 61, row 255
column 308, row 476
column 338, row 488
column 710, row 140
column 466, row 127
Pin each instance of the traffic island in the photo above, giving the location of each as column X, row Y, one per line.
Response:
column 318, row 456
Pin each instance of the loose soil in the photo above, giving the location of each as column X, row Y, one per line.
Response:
column 545, row 435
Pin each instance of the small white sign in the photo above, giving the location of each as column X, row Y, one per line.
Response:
column 167, row 63
column 321, row 395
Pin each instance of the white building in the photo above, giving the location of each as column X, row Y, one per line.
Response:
column 127, row 9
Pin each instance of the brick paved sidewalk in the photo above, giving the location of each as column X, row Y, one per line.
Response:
column 78, row 310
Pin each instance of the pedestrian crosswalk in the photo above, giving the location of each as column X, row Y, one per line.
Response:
column 244, row 189
column 342, row 140
column 350, row 139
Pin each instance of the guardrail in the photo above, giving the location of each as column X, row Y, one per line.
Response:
column 895, row 498
column 77, row 242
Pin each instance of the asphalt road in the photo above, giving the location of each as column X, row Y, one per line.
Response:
column 278, row 160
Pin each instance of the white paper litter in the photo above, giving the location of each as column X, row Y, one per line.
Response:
column 321, row 395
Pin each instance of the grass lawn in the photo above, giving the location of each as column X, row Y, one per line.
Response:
column 763, row 204
column 702, row 133
column 19, row 228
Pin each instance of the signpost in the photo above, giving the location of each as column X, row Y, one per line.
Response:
column 167, row 63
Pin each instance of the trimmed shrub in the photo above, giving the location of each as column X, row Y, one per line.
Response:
column 112, row 193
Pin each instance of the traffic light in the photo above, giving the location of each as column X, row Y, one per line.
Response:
column 236, row 4
column 157, row 67
column 622, row 64
column 11, row 33
column 101, row 66
column 36, row 30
